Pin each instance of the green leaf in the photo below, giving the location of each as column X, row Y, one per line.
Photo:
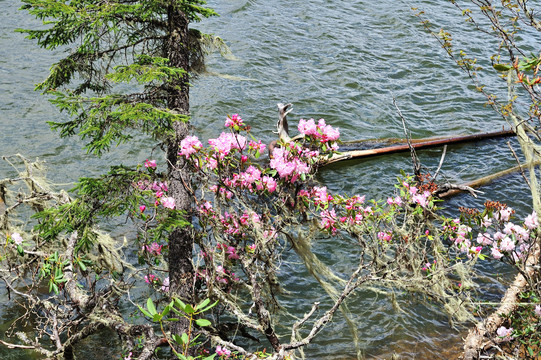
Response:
column 81, row 265
column 188, row 309
column 209, row 307
column 501, row 67
column 147, row 314
column 180, row 304
column 150, row 306
column 211, row 357
column 184, row 338
column 202, row 304
column 167, row 309
column 203, row 322
column 177, row 339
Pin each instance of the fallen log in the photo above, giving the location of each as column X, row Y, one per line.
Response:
column 480, row 182
column 481, row 337
column 419, row 144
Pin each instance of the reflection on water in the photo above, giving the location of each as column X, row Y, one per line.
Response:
column 342, row 63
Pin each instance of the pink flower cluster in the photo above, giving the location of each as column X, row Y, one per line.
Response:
column 222, row 275
column 320, row 131
column 231, row 251
column 418, row 198
column 256, row 147
column 504, row 333
column 507, row 238
column 165, row 284
column 234, row 121
column 227, row 142
column 328, row 219
column 190, row 145
column 155, row 186
column 385, row 236
column 250, row 178
column 153, row 249
column 151, row 279
column 150, row 164
column 291, row 161
column 222, row 351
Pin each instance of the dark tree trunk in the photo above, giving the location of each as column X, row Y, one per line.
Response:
column 181, row 272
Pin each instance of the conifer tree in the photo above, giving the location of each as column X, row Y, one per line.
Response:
column 143, row 43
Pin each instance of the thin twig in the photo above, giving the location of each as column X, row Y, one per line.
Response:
column 519, row 166
column 414, row 158
column 441, row 163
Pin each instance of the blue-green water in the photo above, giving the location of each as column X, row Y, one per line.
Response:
column 342, row 61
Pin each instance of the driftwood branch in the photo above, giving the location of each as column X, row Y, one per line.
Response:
column 519, row 166
column 440, row 164
column 282, row 126
column 483, row 333
column 414, row 159
column 416, row 144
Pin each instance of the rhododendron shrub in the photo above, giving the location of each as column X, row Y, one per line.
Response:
column 253, row 206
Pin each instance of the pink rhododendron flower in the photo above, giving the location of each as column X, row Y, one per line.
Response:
column 503, row 214
column 320, row 195
column 211, row 163
column 190, row 145
column 17, row 238
column 257, row 146
column 504, row 333
column 128, row 357
column 487, row 222
column 222, row 351
column 323, row 132
column 496, row 254
column 142, row 208
column 328, row 219
column 484, row 239
column 232, row 253
column 531, row 221
column 150, row 164
column 149, row 279
column 227, row 142
column 507, row 244
column 154, row 248
column 270, row 183
column 165, row 284
column 286, row 167
column 385, row 236
column 307, row 127
column 537, row 310
column 168, row 202
column 234, row 121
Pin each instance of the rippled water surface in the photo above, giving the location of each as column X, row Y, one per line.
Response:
column 339, row 60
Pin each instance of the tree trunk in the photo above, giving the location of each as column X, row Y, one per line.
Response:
column 181, row 272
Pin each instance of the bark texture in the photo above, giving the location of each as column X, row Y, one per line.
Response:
column 181, row 270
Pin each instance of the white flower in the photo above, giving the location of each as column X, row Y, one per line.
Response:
column 17, row 238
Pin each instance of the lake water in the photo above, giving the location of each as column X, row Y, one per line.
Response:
column 343, row 61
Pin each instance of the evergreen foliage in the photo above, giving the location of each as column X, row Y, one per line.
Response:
column 111, row 43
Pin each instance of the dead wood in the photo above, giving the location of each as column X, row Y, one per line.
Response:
column 448, row 192
column 484, row 333
column 427, row 143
